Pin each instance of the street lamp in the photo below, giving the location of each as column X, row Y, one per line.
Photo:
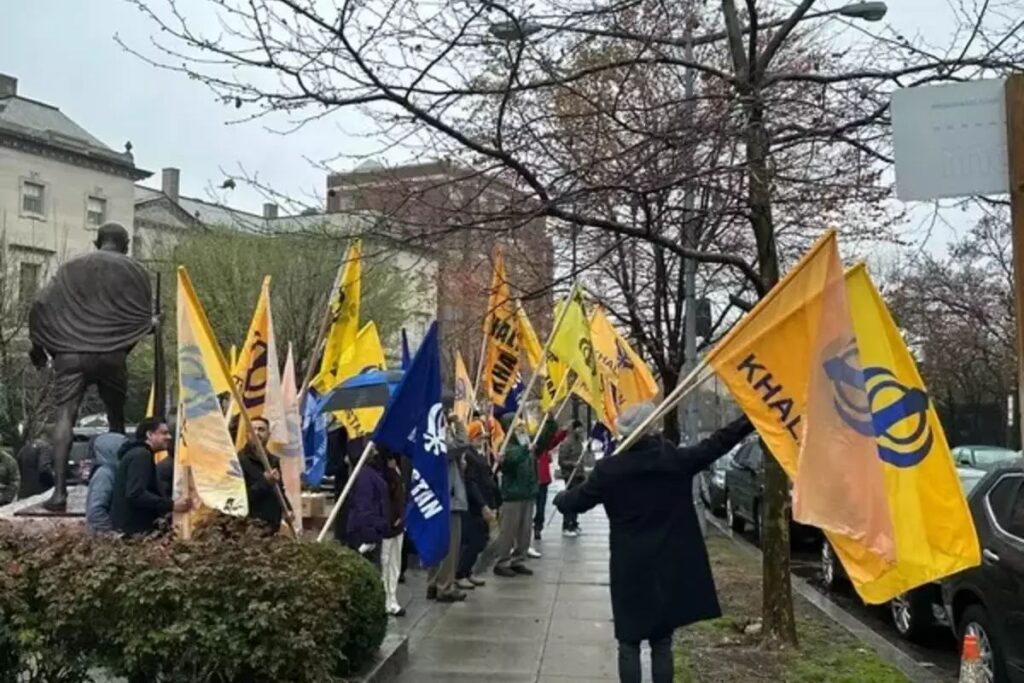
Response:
column 868, row 11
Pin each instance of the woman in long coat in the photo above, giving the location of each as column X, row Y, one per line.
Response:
column 660, row 575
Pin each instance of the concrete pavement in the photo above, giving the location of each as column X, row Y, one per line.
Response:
column 554, row 627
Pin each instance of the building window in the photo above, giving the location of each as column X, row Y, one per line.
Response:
column 32, row 196
column 28, row 282
column 95, row 212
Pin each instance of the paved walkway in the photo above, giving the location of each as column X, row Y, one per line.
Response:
column 554, row 627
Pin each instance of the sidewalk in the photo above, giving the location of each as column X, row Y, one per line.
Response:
column 554, row 627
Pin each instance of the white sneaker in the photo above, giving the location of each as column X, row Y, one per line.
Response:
column 569, row 533
column 534, row 554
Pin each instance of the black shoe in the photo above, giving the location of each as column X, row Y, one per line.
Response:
column 522, row 570
column 451, row 596
column 401, row 578
column 536, row 534
column 504, row 572
column 432, row 593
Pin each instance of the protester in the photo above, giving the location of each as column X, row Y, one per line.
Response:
column 367, row 521
column 136, row 504
column 482, row 495
column 660, row 576
column 10, row 477
column 105, row 448
column 571, row 467
column 441, row 577
column 264, row 503
column 35, row 463
column 391, row 546
column 544, row 479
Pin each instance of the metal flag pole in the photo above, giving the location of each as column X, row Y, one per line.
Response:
column 345, row 491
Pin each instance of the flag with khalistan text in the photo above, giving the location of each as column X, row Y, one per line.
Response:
column 344, row 310
column 255, row 373
column 204, row 446
column 501, row 334
column 291, row 453
column 463, row 390
column 571, row 344
column 769, row 361
column 934, row 531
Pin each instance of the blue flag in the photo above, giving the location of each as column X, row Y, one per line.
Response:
column 413, row 424
column 406, row 356
column 512, row 400
column 314, row 439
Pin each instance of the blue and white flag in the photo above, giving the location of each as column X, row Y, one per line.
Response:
column 413, row 425
column 512, row 400
column 314, row 439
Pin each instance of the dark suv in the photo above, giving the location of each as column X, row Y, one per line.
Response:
column 988, row 601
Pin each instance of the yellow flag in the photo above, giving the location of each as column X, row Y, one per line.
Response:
column 151, row 401
column 571, row 344
column 636, row 381
column 366, row 354
column 204, row 445
column 292, row 454
column 501, row 353
column 463, row 390
column 772, row 363
column 603, row 334
column 344, row 328
column 934, row 530
column 534, row 357
column 256, row 376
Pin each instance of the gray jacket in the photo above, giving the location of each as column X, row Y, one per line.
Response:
column 101, row 484
column 456, row 479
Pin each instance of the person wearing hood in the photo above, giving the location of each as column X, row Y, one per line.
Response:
column 105, row 448
column 136, row 503
column 660, row 575
column 441, row 582
column 367, row 523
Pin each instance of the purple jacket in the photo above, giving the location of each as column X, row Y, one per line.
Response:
column 368, row 509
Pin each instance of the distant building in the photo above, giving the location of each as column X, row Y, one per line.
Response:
column 463, row 214
column 58, row 184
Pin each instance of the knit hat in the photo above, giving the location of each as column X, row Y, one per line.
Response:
column 632, row 417
column 475, row 430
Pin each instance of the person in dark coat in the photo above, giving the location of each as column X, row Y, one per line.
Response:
column 136, row 504
column 391, row 546
column 367, row 522
column 660, row 575
column 482, row 494
column 264, row 505
column 35, row 460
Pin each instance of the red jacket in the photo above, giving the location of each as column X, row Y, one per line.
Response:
column 544, row 459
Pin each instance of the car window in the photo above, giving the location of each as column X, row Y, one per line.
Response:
column 1007, row 502
column 992, row 456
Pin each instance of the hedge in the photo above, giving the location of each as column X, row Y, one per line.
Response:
column 229, row 606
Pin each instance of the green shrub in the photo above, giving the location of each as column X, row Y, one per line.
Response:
column 229, row 606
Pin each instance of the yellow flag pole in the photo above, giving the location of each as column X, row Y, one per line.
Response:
column 533, row 377
column 558, row 413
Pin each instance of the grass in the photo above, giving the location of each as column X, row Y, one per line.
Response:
column 722, row 650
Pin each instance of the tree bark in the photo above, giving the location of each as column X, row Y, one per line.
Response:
column 779, row 623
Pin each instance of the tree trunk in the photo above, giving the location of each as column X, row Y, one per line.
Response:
column 777, row 602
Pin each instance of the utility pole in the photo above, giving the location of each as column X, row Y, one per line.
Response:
column 1015, row 154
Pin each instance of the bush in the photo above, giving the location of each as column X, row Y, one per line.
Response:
column 229, row 606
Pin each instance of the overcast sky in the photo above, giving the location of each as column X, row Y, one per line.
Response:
column 63, row 52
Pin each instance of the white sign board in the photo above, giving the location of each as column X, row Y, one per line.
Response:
column 950, row 140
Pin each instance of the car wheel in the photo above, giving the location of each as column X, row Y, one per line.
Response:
column 831, row 572
column 911, row 614
column 735, row 523
column 975, row 621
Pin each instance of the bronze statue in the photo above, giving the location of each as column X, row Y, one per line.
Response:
column 85, row 322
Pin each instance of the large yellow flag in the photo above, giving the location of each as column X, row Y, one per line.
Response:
column 292, row 454
column 255, row 373
column 501, row 334
column 204, row 445
column 344, row 328
column 636, row 381
column 769, row 363
column 535, row 358
column 571, row 344
column 603, row 334
column 935, row 534
column 463, row 390
column 366, row 354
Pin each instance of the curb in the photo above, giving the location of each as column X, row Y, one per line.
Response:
column 891, row 654
column 389, row 662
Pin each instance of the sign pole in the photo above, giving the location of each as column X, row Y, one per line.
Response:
column 1015, row 151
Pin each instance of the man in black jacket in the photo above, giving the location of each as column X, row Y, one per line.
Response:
column 660, row 575
column 482, row 495
column 137, row 503
column 264, row 505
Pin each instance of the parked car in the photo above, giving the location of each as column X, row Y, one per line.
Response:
column 916, row 612
column 712, row 487
column 744, row 485
column 988, row 601
column 983, row 457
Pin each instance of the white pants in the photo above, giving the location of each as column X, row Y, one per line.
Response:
column 390, row 569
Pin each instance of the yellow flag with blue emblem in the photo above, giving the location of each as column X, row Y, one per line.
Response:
column 344, row 310
column 934, row 531
column 366, row 354
column 571, row 344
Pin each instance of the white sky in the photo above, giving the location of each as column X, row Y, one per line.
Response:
column 63, row 53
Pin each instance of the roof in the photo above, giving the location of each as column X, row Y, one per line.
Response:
column 48, row 125
column 207, row 213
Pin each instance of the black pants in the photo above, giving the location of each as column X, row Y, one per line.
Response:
column 662, row 669
column 540, row 508
column 474, row 540
column 570, row 520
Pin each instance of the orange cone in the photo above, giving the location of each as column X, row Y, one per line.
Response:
column 971, row 670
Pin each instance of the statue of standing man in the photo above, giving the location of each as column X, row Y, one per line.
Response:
column 85, row 322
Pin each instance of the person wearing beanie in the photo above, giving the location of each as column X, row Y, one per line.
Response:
column 660, row 575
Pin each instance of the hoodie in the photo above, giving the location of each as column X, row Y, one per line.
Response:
column 136, row 505
column 101, row 484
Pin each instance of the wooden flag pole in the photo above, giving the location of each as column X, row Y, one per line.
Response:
column 321, row 337
column 558, row 413
column 345, row 491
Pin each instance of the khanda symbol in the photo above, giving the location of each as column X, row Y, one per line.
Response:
column 875, row 403
column 587, row 349
column 623, row 360
column 254, row 385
